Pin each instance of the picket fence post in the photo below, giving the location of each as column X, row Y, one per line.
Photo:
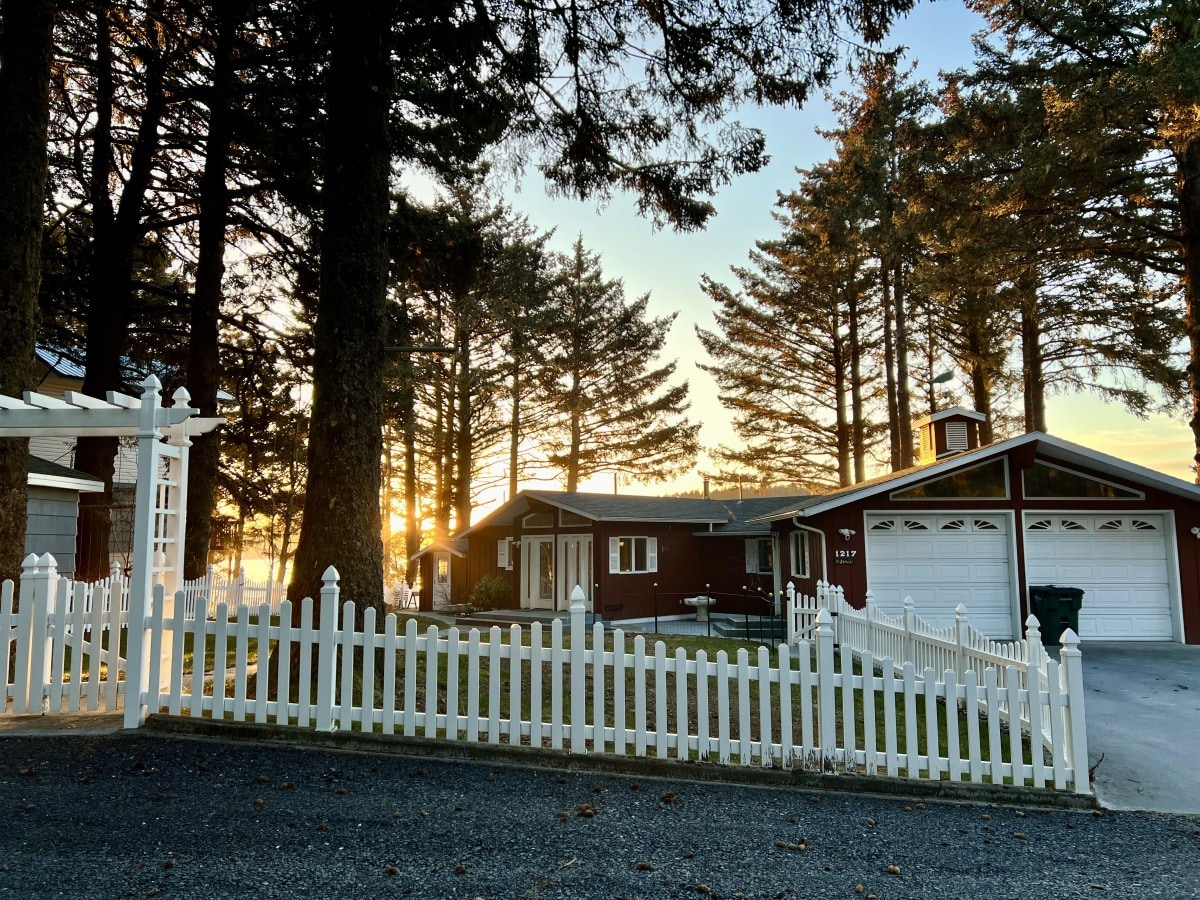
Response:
column 869, row 614
column 910, row 613
column 32, row 668
column 962, row 639
column 827, row 723
column 791, row 612
column 327, row 651
column 578, row 681
column 1075, row 732
column 1035, row 653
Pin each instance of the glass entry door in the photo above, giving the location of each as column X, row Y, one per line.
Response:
column 537, row 573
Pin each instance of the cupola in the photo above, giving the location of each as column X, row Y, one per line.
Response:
column 947, row 432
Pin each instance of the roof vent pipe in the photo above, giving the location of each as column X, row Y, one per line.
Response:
column 706, row 497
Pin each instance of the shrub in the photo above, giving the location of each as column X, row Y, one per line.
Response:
column 491, row 592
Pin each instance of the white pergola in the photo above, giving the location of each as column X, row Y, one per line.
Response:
column 160, row 511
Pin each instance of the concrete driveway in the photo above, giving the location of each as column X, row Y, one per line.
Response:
column 1143, row 718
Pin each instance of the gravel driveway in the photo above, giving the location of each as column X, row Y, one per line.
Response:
column 145, row 815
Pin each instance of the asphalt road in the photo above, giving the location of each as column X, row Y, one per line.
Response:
column 144, row 815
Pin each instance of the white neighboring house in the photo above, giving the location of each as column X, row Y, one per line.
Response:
column 53, row 510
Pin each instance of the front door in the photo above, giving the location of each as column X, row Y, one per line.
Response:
column 575, row 567
column 441, row 580
column 537, row 573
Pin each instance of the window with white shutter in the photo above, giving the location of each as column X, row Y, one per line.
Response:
column 628, row 555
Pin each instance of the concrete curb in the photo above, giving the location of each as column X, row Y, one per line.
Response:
column 603, row 763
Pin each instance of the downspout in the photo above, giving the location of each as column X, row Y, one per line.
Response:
column 777, row 574
column 796, row 524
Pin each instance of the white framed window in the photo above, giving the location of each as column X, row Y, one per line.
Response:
column 798, row 545
column 628, row 555
column 760, row 556
column 504, row 554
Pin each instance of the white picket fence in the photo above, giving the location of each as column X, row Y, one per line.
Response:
column 566, row 688
column 570, row 687
column 959, row 648
column 60, row 642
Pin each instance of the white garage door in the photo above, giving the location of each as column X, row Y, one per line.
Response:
column 1120, row 561
column 941, row 561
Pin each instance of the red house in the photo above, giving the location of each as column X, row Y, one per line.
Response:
column 633, row 556
column 972, row 525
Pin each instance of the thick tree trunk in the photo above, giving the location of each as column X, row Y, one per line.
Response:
column 26, row 48
column 981, row 394
column 408, row 427
column 575, row 436
column 1033, row 378
column 896, row 433
column 1188, row 161
column 115, row 234
column 204, row 367
column 464, row 455
column 903, row 396
column 515, row 396
column 841, row 422
column 341, row 525
column 857, row 416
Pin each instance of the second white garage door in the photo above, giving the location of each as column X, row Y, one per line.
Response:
column 1119, row 560
column 941, row 561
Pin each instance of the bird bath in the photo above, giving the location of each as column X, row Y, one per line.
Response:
column 702, row 605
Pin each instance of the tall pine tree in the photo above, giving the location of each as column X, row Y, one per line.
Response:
column 614, row 408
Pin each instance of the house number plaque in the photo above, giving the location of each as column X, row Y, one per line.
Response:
column 844, row 557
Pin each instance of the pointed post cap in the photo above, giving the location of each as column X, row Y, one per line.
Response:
column 181, row 396
column 578, row 598
column 960, row 611
column 1069, row 640
column 151, row 383
column 330, row 575
column 1031, row 621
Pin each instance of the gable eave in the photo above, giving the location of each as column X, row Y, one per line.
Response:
column 1046, row 446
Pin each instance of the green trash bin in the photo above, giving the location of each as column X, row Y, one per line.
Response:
column 1056, row 608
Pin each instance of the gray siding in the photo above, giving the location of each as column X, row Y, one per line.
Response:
column 53, row 516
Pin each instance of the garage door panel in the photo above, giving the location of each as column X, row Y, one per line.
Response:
column 915, row 573
column 1126, row 626
column 989, row 546
column 991, row 572
column 941, row 570
column 1120, row 561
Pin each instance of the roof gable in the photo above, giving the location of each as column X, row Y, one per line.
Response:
column 1044, row 445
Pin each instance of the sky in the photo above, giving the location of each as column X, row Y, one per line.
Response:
column 669, row 266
